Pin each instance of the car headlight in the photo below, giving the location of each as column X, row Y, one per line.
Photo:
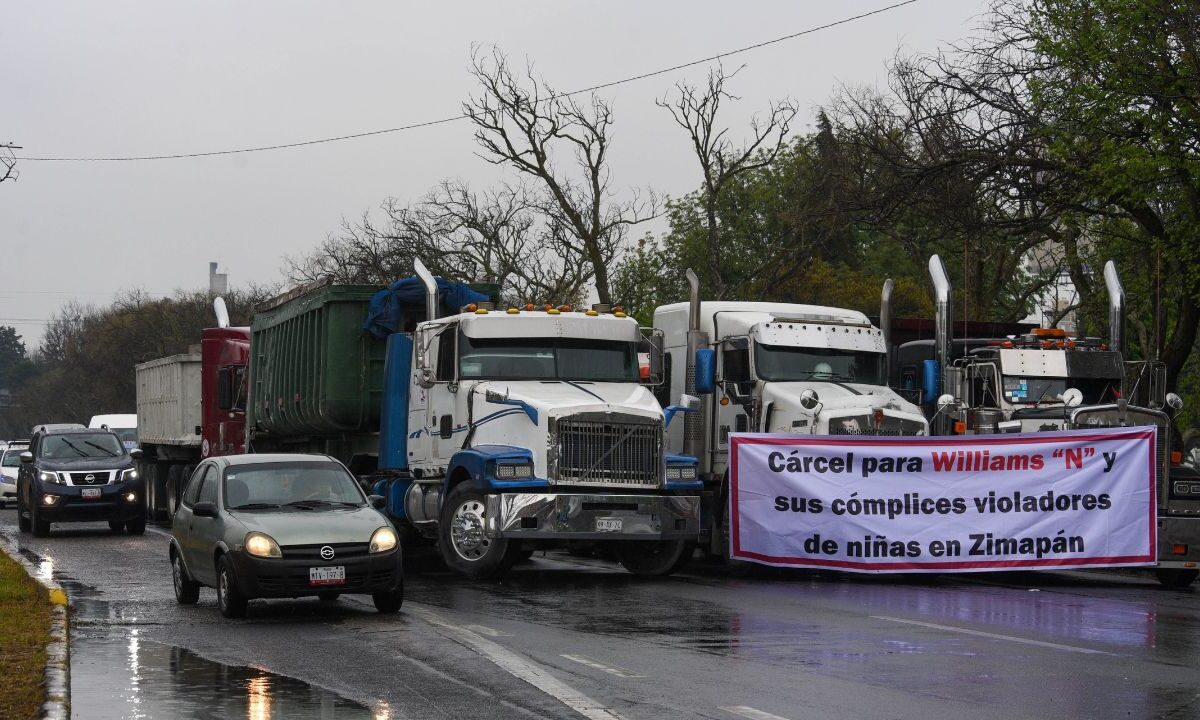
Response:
column 130, row 474
column 514, row 471
column 382, row 540
column 262, row 545
column 681, row 472
column 50, row 477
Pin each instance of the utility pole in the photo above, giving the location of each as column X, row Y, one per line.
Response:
column 8, row 161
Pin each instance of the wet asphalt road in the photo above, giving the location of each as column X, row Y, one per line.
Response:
column 563, row 637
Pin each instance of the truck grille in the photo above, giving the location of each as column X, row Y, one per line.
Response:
column 1108, row 416
column 619, row 451
column 865, row 425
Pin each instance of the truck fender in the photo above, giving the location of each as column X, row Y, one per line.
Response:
column 475, row 465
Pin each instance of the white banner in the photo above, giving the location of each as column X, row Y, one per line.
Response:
column 1083, row 498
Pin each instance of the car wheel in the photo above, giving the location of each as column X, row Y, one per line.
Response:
column 329, row 596
column 389, row 602
column 1176, row 578
column 40, row 527
column 187, row 591
column 654, row 558
column 22, row 520
column 464, row 546
column 116, row 526
column 136, row 527
column 230, row 600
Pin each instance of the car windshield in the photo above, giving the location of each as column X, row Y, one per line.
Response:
column 307, row 485
column 779, row 362
column 81, row 445
column 12, row 458
column 548, row 359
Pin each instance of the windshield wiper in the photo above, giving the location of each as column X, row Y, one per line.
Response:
column 307, row 504
column 101, row 448
column 254, row 506
column 74, row 447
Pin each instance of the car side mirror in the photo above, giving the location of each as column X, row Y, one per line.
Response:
column 136, row 453
column 205, row 509
column 378, row 502
column 26, row 457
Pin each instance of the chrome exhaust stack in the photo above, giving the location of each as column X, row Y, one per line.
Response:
column 885, row 312
column 1116, row 307
column 942, row 315
column 221, row 312
column 693, row 428
column 431, row 290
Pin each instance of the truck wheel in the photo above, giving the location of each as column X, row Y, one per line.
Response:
column 173, row 489
column 1176, row 578
column 465, row 548
column 230, row 600
column 187, row 591
column 155, row 507
column 41, row 528
column 654, row 558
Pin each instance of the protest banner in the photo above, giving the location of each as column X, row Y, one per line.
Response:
column 1082, row 498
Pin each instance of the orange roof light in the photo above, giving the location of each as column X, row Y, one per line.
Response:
column 1049, row 332
column 564, row 308
column 529, row 306
column 472, row 307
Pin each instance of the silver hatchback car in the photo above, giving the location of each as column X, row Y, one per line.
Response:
column 276, row 526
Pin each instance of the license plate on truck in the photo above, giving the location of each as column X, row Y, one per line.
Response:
column 91, row 492
column 608, row 524
column 331, row 575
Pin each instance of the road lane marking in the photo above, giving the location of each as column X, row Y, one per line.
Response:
column 749, row 712
column 485, row 630
column 519, row 667
column 994, row 636
column 610, row 669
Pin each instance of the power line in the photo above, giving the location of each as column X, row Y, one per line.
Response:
column 455, row 118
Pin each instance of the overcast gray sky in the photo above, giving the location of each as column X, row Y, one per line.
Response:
column 128, row 78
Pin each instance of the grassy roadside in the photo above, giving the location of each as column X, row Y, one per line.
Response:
column 24, row 632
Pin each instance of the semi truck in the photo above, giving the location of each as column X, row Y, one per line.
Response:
column 1046, row 380
column 774, row 368
column 491, row 432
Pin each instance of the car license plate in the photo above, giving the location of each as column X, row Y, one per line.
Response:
column 91, row 492
column 608, row 524
column 332, row 575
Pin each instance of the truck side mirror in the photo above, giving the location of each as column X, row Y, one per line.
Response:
column 706, row 371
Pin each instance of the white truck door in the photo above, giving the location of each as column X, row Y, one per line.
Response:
column 445, row 426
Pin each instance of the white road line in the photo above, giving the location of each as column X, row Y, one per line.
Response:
column 994, row 636
column 485, row 630
column 749, row 712
column 519, row 667
column 610, row 669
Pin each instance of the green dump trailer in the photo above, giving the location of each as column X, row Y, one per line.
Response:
column 316, row 379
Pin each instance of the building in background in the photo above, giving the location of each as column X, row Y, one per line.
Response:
column 218, row 283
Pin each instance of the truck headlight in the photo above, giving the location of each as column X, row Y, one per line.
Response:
column 382, row 540
column 681, row 472
column 514, row 471
column 50, row 477
column 262, row 545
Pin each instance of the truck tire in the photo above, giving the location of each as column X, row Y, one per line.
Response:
column 460, row 535
column 173, row 488
column 1176, row 578
column 652, row 559
column 155, row 484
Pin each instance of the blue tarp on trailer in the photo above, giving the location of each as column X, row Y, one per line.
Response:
column 385, row 314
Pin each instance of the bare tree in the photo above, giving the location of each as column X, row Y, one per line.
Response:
column 522, row 123
column 695, row 110
column 8, row 162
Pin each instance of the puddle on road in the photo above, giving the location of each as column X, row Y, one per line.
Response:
column 129, row 678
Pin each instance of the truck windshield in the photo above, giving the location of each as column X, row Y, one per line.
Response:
column 547, row 359
column 783, row 363
column 81, row 445
column 1021, row 390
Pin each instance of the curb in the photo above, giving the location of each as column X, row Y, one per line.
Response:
column 58, row 652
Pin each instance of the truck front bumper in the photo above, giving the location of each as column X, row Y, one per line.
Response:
column 593, row 516
column 1179, row 534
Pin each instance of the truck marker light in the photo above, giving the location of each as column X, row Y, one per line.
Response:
column 960, row 427
column 547, row 307
column 619, row 314
column 553, row 311
column 528, row 307
column 591, row 313
column 1179, row 549
column 481, row 311
column 472, row 307
column 724, row 401
column 1176, row 457
column 564, row 308
column 512, row 311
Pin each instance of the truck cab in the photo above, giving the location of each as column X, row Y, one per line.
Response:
column 777, row 368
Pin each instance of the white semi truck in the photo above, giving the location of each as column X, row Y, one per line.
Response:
column 778, row 368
